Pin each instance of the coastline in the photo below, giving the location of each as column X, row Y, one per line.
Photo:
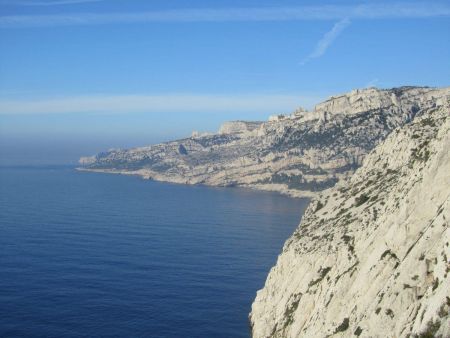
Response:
column 150, row 175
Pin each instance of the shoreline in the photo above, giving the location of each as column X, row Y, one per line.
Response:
column 146, row 175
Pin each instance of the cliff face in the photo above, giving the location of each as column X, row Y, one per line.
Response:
column 371, row 256
column 298, row 154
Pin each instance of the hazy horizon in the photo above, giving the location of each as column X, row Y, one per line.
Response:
column 81, row 76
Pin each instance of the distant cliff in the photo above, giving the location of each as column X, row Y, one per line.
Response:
column 371, row 257
column 297, row 154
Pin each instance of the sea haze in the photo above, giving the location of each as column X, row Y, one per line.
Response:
column 86, row 254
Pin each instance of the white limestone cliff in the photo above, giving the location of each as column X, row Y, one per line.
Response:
column 371, row 255
column 236, row 127
column 298, row 154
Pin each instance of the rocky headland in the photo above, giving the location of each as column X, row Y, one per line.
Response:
column 297, row 154
column 370, row 257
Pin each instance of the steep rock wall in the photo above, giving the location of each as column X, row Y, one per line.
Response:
column 371, row 256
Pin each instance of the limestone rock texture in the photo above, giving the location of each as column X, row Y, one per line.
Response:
column 297, row 154
column 235, row 127
column 371, row 256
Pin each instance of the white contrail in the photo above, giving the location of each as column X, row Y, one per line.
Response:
column 323, row 44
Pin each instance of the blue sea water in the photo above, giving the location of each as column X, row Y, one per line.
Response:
column 98, row 255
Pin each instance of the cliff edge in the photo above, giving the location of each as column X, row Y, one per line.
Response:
column 371, row 256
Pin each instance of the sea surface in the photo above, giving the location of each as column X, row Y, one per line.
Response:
column 97, row 255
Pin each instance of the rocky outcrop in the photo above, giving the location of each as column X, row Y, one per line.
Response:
column 297, row 154
column 371, row 256
column 236, row 127
column 362, row 100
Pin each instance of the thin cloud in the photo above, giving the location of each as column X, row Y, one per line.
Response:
column 158, row 104
column 327, row 40
column 47, row 3
column 328, row 12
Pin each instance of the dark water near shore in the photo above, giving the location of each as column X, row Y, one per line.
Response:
column 85, row 254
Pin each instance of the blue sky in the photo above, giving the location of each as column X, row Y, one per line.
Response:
column 114, row 73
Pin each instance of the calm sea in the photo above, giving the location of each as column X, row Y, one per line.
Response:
column 97, row 255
